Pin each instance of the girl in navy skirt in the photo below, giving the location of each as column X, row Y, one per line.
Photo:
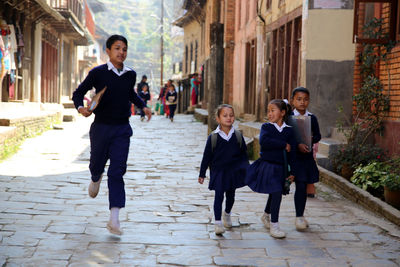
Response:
column 305, row 164
column 226, row 155
column 267, row 174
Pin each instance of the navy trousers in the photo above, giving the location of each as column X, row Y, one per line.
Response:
column 110, row 142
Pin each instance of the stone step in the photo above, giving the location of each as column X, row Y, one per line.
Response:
column 323, row 161
column 328, row 146
column 339, row 135
column 69, row 105
column 69, row 114
column 201, row 115
column 250, row 129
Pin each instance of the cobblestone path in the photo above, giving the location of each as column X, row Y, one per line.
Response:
column 47, row 218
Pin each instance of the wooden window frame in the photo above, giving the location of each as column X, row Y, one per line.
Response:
column 398, row 22
column 392, row 20
column 268, row 4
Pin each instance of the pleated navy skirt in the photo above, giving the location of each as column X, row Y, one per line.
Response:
column 228, row 178
column 265, row 177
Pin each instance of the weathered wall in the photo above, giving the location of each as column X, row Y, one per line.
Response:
column 328, row 56
column 245, row 31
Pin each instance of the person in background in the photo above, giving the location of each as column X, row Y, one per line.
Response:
column 171, row 99
column 142, row 83
column 145, row 96
column 194, row 85
column 110, row 132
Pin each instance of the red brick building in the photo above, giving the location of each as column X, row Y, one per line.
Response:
column 389, row 71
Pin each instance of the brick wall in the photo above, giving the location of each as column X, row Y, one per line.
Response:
column 389, row 74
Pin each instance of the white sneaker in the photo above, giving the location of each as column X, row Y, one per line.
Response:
column 301, row 223
column 266, row 220
column 114, row 229
column 226, row 218
column 219, row 229
column 275, row 231
column 94, row 187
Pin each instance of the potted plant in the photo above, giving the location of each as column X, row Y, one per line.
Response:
column 351, row 156
column 369, row 177
column 370, row 106
column 391, row 182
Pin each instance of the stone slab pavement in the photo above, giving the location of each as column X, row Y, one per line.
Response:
column 47, row 218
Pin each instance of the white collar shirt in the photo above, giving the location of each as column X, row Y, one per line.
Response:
column 115, row 70
column 223, row 134
column 280, row 128
column 297, row 113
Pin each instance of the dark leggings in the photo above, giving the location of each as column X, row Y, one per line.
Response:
column 172, row 109
column 219, row 198
column 273, row 206
column 300, row 198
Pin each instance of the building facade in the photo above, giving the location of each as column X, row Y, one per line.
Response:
column 42, row 39
column 388, row 70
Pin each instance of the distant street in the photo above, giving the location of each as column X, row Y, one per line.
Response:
column 48, row 219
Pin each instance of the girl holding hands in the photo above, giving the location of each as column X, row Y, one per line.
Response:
column 226, row 155
column 267, row 174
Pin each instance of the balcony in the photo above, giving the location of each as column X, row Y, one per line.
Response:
column 73, row 25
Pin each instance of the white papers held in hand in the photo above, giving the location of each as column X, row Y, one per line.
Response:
column 96, row 99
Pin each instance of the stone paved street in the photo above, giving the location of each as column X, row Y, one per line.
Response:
column 47, row 218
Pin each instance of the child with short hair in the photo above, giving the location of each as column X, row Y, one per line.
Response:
column 110, row 132
column 145, row 96
column 267, row 175
column 305, row 163
column 226, row 155
column 171, row 99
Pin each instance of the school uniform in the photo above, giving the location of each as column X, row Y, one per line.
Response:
column 171, row 100
column 307, row 170
column 266, row 174
column 228, row 163
column 305, row 162
column 145, row 96
column 110, row 132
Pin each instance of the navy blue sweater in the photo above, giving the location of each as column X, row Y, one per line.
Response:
column 226, row 154
column 144, row 96
column 273, row 143
column 115, row 105
column 171, row 97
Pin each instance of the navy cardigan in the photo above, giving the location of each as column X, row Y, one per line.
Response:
column 115, row 105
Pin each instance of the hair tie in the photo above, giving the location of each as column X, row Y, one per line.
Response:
column 286, row 101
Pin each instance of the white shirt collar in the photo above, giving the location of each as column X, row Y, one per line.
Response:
column 280, row 128
column 115, row 70
column 223, row 134
column 296, row 113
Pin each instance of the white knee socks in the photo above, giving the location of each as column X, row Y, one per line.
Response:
column 114, row 216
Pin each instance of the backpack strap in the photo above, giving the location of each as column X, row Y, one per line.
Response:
column 214, row 137
column 239, row 137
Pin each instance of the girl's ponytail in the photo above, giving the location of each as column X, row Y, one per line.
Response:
column 289, row 110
